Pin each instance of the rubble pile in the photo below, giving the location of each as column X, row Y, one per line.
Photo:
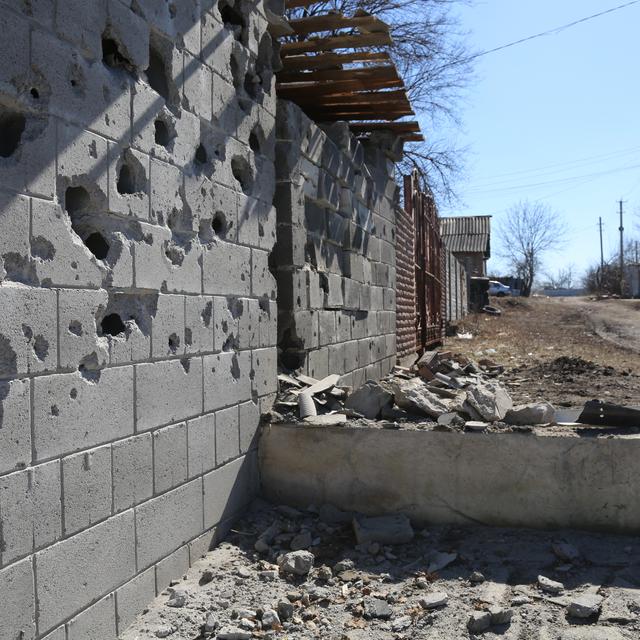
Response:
column 324, row 573
column 446, row 390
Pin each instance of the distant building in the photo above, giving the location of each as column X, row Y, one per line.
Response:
column 469, row 239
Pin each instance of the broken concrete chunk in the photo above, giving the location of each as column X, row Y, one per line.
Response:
column 490, row 400
column 476, row 425
column 323, row 385
column 438, row 561
column 270, row 619
column 620, row 609
column 531, row 414
column 414, row 395
column 585, row 606
column 479, row 621
column 550, row 586
column 377, row 608
column 306, row 405
column 233, row 633
column 297, row 562
column 395, row 529
column 301, row 541
column 500, row 615
column 434, row 600
column 369, row 400
column 327, row 419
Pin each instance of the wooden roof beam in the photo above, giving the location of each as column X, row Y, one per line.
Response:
column 335, row 21
column 328, row 60
column 331, row 43
column 387, row 72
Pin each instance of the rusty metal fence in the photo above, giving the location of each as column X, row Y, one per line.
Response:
column 420, row 262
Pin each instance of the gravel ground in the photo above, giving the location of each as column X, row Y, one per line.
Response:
column 430, row 587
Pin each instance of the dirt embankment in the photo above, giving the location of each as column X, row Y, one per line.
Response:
column 564, row 350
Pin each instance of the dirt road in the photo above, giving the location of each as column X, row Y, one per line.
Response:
column 565, row 350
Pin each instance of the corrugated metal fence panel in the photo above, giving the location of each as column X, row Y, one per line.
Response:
column 456, row 289
column 406, row 284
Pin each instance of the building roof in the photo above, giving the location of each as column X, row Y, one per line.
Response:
column 467, row 234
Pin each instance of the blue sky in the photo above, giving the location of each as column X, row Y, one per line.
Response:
column 555, row 119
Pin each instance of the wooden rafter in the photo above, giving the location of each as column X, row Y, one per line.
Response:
column 335, row 21
column 335, row 42
column 290, row 91
column 387, row 72
column 409, row 128
column 331, row 60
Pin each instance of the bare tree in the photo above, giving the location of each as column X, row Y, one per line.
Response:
column 528, row 231
column 430, row 53
column 562, row 279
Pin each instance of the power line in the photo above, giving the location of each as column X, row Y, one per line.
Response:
column 554, row 31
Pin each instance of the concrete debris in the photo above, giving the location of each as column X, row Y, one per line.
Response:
column 377, row 608
column 415, row 396
column 550, row 586
column 565, row 551
column 327, row 419
column 479, row 621
column 585, row 605
column 297, row 562
column 476, row 578
column 531, row 414
column 490, row 400
column 369, row 400
column 434, row 600
column 500, row 615
column 395, row 529
column 438, row 561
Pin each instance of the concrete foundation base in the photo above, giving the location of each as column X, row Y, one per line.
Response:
column 501, row 479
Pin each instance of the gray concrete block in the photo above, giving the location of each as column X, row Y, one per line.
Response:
column 359, row 325
column 59, row 634
column 17, row 614
column 165, row 190
column 12, row 48
column 167, row 327
column 227, row 269
column 227, row 379
column 201, row 545
column 30, row 508
column 337, row 358
column 15, row 425
column 79, row 343
column 165, row 523
column 132, row 471
column 198, row 331
column 167, row 392
column 169, row 457
column 268, row 323
column 350, row 354
column 28, row 337
column 14, row 229
column 98, row 622
column 226, row 322
column 327, row 327
column 87, row 488
column 132, row 597
column 201, row 444
column 229, row 489
column 334, row 296
column 389, row 299
column 351, row 290
column 130, row 31
column 262, row 281
column 373, row 371
column 73, row 411
column 81, row 24
column 227, row 435
column 173, row 567
column 197, row 87
column 249, row 425
column 128, row 181
column 135, row 311
column 265, row 370
column 318, row 363
column 67, row 577
column 216, row 49
column 256, row 223
column 343, row 327
column 305, row 328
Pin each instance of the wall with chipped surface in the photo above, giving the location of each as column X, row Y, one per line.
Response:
column 137, row 310
column 335, row 257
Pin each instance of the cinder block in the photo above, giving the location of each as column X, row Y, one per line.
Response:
column 73, row 411
column 318, row 363
column 87, row 493
column 77, row 332
column 256, row 223
column 350, row 355
column 365, row 352
column 132, row 471
column 227, row 269
column 216, row 47
column 327, row 327
column 227, row 435
column 135, row 311
column 15, row 419
column 351, row 293
column 359, row 325
column 167, row 327
column 268, row 324
column 265, row 370
column 249, row 324
column 28, row 337
column 197, row 87
column 389, row 299
column 165, row 186
column 201, row 545
column 334, row 296
column 130, row 31
column 17, row 614
column 60, row 258
column 227, row 379
column 226, row 324
column 201, row 443
column 67, row 577
column 373, row 371
column 304, row 327
column 132, row 597
column 171, row 568
column 229, row 489
column 262, row 281
column 129, row 173
column 13, row 47
column 98, row 622
column 59, row 634
column 30, row 508
column 337, row 358
column 81, row 23
column 170, row 457
column 198, row 331
column 165, row 523
column 343, row 327
column 249, row 425
column 14, row 229
column 168, row 392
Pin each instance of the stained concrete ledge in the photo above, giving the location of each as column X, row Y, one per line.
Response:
column 502, row 479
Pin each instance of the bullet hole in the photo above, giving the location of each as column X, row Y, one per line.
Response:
column 12, row 124
column 112, row 325
column 174, row 342
column 201, row 156
column 27, row 331
column 41, row 347
column 76, row 199
column 42, row 248
column 236, row 74
column 54, row 410
column 92, row 376
column 241, row 170
column 174, row 254
column 163, row 135
column 225, row 326
column 188, row 336
column 324, row 283
column 96, row 243
column 73, row 394
column 219, row 224
column 75, row 327
column 235, row 367
column 231, row 343
column 157, row 75
column 255, row 140
column 8, row 357
column 132, row 177
column 260, row 230
column 186, row 364
column 112, row 56
column 35, row 94
column 232, row 18
column 206, row 314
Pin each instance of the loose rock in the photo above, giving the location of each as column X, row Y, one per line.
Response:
column 531, row 414
column 479, row 621
column 369, row 400
column 434, row 600
column 376, row 608
column 490, row 400
column 585, row 606
column 297, row 562
column 550, row 586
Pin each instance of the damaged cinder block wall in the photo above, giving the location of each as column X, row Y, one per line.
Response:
column 137, row 309
column 335, row 254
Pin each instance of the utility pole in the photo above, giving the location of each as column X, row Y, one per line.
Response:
column 621, row 228
column 601, row 249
